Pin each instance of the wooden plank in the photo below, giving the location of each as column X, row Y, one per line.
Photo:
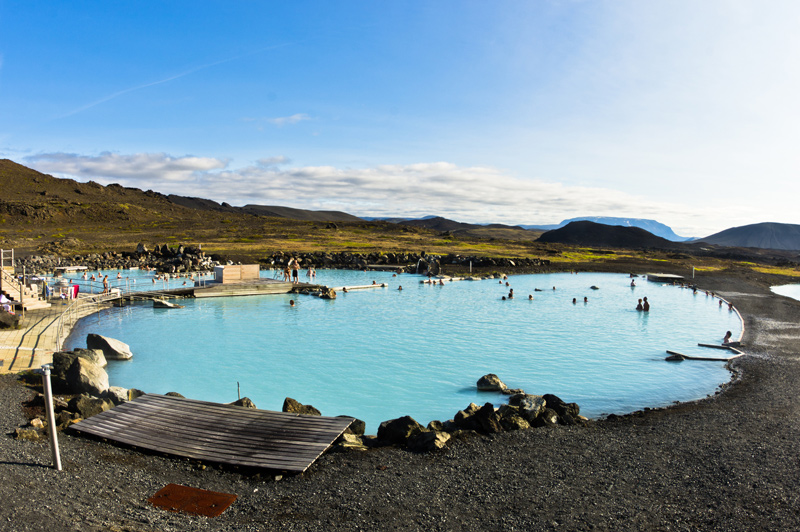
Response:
column 218, row 432
column 715, row 346
column 675, row 356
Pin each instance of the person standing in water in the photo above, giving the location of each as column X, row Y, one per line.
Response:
column 646, row 306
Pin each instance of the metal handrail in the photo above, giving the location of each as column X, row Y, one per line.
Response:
column 73, row 311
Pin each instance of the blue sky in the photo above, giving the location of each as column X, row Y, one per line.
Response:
column 514, row 112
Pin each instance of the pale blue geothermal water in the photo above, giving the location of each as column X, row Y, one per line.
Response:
column 788, row 290
column 382, row 353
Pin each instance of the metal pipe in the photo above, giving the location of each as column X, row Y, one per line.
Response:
column 51, row 417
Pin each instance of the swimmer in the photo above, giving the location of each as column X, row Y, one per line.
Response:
column 344, row 289
column 646, row 306
column 530, row 297
column 720, row 303
column 400, row 287
column 633, row 283
column 574, row 301
column 291, row 302
column 727, row 338
column 374, row 283
column 639, row 305
column 554, row 288
column 503, row 298
column 441, row 282
column 585, row 299
column 730, row 306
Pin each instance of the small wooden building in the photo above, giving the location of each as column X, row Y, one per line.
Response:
column 236, row 273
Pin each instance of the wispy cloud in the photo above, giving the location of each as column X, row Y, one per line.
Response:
column 167, row 79
column 143, row 170
column 469, row 194
column 288, row 120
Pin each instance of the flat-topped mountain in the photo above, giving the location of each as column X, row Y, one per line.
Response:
column 651, row 226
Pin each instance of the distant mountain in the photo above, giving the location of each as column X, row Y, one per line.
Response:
column 585, row 233
column 765, row 235
column 437, row 223
column 264, row 210
column 650, row 226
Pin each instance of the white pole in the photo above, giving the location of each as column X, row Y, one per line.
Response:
column 692, row 272
column 51, row 417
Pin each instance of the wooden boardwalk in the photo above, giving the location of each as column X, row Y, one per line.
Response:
column 217, row 432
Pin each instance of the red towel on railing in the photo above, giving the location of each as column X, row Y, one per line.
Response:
column 75, row 291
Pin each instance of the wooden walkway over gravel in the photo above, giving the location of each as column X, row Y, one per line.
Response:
column 217, row 432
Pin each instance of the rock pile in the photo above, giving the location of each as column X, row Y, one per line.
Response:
column 81, row 374
column 523, row 411
column 183, row 259
column 407, row 262
column 162, row 258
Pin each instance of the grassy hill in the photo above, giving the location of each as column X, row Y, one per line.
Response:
column 41, row 213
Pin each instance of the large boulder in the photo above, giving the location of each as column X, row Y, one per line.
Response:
column 531, row 407
column 464, row 418
column 86, row 406
column 399, row 430
column 491, row 383
column 296, row 407
column 62, row 361
column 357, row 427
column 84, row 376
column 511, row 419
column 117, row 394
column 487, row 419
column 350, row 442
column 111, row 348
column 424, row 442
column 567, row 412
column 245, row 402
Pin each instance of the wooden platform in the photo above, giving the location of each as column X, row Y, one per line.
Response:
column 246, row 288
column 217, row 432
column 665, row 278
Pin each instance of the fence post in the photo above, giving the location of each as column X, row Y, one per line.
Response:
column 51, row 417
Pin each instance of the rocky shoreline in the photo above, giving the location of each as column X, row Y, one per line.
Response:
column 185, row 259
column 728, row 462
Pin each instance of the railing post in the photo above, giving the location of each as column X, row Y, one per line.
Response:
column 51, row 417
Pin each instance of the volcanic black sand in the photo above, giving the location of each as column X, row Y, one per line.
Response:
column 728, row 462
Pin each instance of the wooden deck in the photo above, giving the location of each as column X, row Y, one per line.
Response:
column 217, row 432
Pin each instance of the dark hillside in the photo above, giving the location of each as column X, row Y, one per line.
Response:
column 299, row 214
column 766, row 235
column 600, row 235
column 439, row 224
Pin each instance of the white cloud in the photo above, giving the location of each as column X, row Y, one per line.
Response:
column 288, row 120
column 143, row 170
column 468, row 194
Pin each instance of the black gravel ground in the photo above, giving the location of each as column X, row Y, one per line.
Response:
column 728, row 462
